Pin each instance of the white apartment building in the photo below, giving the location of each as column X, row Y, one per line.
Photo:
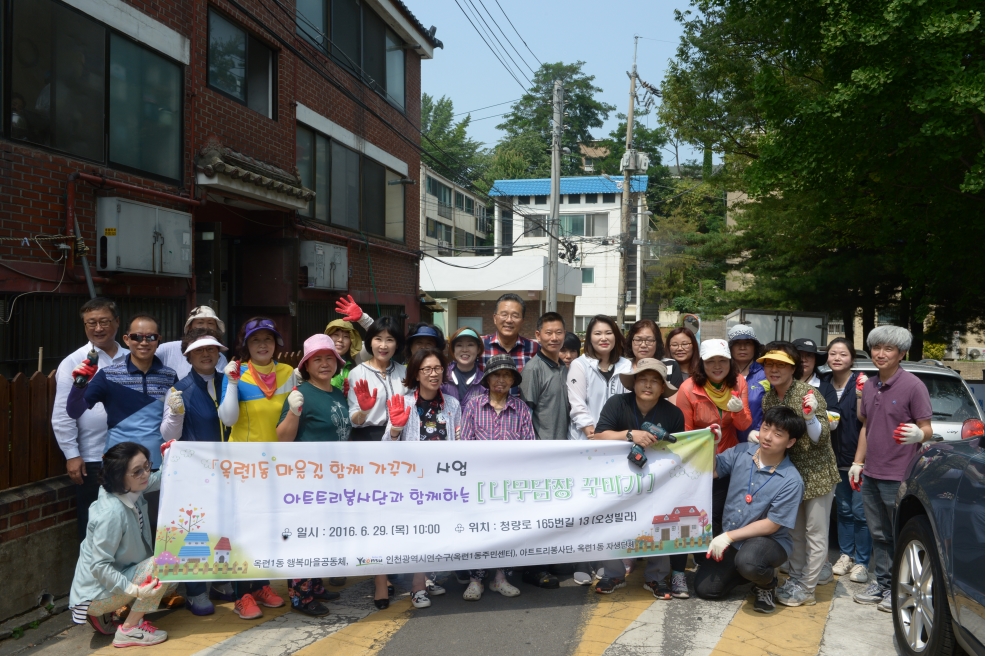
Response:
column 453, row 220
column 589, row 227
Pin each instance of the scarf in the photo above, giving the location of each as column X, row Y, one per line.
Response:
column 266, row 380
column 719, row 394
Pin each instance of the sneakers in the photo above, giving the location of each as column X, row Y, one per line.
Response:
column 267, row 597
column 142, row 635
column 222, row 592
column 886, row 605
column 659, row 589
column 474, row 592
column 312, row 608
column 679, row 586
column 200, row 604
column 420, row 599
column 796, row 595
column 607, row 585
column 246, row 607
column 582, row 578
column 872, row 595
column 859, row 574
column 503, row 587
column 542, row 579
column 825, row 576
column 433, row 589
column 764, row 602
column 842, row 566
column 106, row 624
column 785, row 588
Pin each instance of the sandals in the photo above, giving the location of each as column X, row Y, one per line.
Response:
column 542, row 579
column 504, row 587
column 474, row 592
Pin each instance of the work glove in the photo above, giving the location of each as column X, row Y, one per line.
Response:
column 808, row 405
column 296, row 378
column 84, row 372
column 399, row 413
column 860, row 381
column 345, row 387
column 175, row 402
column 716, row 432
column 856, row 476
column 753, row 437
column 165, row 447
column 735, row 403
column 363, row 397
column 232, row 372
column 908, row 434
column 295, row 402
column 349, row 309
column 718, row 546
column 144, row 590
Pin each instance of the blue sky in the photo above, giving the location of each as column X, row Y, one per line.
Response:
column 600, row 34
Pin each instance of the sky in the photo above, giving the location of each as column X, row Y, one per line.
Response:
column 600, row 34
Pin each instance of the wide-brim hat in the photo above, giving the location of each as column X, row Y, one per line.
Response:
column 257, row 325
column 355, row 340
column 649, row 364
column 501, row 363
column 205, row 340
column 204, row 312
column 318, row 343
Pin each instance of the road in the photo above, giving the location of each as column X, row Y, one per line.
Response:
column 571, row 620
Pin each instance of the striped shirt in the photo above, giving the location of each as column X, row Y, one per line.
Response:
column 481, row 422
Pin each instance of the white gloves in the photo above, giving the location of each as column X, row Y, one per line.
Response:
column 860, row 381
column 232, row 372
column 296, row 378
column 718, row 546
column 145, row 590
column 753, row 437
column 735, row 404
column 175, row 402
column 856, row 476
column 295, row 402
column 908, row 434
column 716, row 430
column 808, row 405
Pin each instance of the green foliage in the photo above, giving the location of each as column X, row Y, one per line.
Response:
column 934, row 350
column 447, row 147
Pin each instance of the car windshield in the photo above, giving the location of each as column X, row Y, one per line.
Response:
column 950, row 399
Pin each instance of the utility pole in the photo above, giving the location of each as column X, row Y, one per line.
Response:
column 558, row 107
column 629, row 165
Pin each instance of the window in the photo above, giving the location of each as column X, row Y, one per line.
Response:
column 312, row 21
column 609, row 198
column 442, row 192
column 523, row 200
column 431, row 228
column 460, row 201
column 581, row 322
column 588, row 276
column 600, row 225
column 351, row 191
column 534, row 225
column 571, row 225
column 460, row 238
column 506, row 232
column 591, row 198
column 574, row 199
column 837, row 328
column 395, row 69
column 469, row 205
column 540, row 200
column 240, row 65
column 80, row 88
column 470, row 240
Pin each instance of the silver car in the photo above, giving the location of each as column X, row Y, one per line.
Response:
column 951, row 399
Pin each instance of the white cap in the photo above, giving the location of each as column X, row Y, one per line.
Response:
column 712, row 347
column 204, row 341
column 205, row 312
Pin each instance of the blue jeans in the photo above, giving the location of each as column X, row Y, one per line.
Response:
column 879, row 499
column 854, row 534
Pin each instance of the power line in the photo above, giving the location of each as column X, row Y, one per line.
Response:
column 518, row 33
column 494, row 39
column 489, row 46
column 506, row 37
column 505, row 102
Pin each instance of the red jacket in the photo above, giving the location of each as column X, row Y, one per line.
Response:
column 701, row 412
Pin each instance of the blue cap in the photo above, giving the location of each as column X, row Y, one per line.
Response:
column 428, row 331
column 261, row 324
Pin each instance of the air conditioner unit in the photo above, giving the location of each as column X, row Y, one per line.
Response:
column 444, row 245
column 327, row 265
column 974, row 353
column 134, row 237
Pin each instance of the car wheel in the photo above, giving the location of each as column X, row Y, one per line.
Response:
column 922, row 619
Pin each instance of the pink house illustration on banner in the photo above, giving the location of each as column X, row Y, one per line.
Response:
column 682, row 522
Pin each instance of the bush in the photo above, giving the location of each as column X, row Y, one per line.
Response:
column 934, row 350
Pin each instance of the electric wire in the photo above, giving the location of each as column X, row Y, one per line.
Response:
column 519, row 83
column 518, row 33
column 505, row 37
column 495, row 40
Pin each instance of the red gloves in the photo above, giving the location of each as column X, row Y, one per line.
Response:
column 166, row 446
column 345, row 387
column 232, row 372
column 716, row 432
column 860, row 381
column 363, row 396
column 398, row 412
column 908, row 434
column 84, row 370
column 348, row 308
column 809, row 404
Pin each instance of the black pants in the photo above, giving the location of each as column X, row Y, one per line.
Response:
column 366, row 433
column 85, row 495
column 755, row 562
column 720, row 490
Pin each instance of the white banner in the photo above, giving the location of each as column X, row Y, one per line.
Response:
column 269, row 510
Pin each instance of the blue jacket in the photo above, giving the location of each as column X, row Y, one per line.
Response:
column 757, row 386
column 845, row 438
column 201, row 422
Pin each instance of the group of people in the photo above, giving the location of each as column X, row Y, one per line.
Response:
column 787, row 440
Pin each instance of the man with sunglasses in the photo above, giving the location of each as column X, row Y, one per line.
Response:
column 83, row 440
column 132, row 392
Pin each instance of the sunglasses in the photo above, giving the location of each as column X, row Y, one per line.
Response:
column 137, row 337
column 254, row 325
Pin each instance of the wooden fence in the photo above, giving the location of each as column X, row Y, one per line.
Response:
column 28, row 450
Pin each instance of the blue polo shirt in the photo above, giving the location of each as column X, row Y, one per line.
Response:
column 777, row 500
column 134, row 403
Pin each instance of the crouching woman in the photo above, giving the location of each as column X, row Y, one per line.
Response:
column 114, row 568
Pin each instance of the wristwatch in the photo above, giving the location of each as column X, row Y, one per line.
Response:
column 629, row 436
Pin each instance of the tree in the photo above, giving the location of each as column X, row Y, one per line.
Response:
column 447, row 146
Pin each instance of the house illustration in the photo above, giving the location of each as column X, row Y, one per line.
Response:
column 221, row 552
column 197, row 540
column 682, row 522
column 196, row 549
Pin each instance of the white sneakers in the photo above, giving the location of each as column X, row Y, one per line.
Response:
column 858, row 574
column 142, row 635
column 420, row 599
column 842, row 566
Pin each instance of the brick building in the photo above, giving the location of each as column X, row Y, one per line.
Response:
column 257, row 155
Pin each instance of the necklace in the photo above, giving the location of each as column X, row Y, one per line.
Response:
column 749, row 486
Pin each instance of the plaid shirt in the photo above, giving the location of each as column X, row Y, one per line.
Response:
column 481, row 422
column 522, row 352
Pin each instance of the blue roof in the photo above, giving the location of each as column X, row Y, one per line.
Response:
column 197, row 537
column 194, row 552
column 591, row 184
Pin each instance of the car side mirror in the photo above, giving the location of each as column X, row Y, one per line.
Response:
column 935, row 437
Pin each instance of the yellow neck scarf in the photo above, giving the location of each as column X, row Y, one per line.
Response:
column 719, row 396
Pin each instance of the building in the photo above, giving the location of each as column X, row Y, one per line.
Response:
column 237, row 153
column 589, row 216
column 591, row 154
column 453, row 219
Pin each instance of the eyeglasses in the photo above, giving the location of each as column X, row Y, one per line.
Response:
column 102, row 323
column 507, row 316
column 140, row 471
column 644, row 341
column 430, row 370
column 137, row 337
column 680, row 347
column 254, row 325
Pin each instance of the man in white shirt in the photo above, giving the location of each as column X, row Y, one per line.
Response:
column 170, row 353
column 82, row 440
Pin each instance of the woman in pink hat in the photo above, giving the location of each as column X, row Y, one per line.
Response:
column 314, row 411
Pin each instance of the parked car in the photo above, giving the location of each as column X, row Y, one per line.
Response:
column 952, row 401
column 938, row 570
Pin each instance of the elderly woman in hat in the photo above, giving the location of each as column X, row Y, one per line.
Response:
column 173, row 355
column 623, row 418
column 493, row 414
column 464, row 379
column 814, row 460
column 744, row 349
